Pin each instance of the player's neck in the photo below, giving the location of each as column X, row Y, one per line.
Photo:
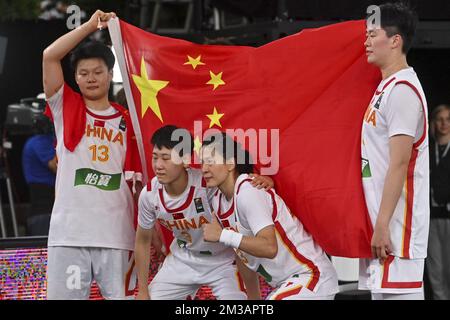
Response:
column 227, row 187
column 99, row 105
column 178, row 186
column 393, row 66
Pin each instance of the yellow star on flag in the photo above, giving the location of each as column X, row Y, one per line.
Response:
column 194, row 62
column 197, row 145
column 216, row 79
column 215, row 118
column 149, row 90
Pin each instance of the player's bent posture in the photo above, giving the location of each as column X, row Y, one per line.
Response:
column 177, row 198
column 395, row 162
column 91, row 233
column 268, row 239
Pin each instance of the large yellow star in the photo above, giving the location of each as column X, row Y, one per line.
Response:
column 149, row 90
column 197, row 145
column 215, row 118
column 194, row 62
column 216, row 79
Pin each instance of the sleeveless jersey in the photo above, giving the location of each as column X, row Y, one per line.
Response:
column 410, row 221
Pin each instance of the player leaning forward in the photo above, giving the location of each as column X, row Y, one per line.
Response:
column 268, row 239
column 178, row 198
column 91, row 233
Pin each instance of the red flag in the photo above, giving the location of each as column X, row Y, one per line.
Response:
column 313, row 87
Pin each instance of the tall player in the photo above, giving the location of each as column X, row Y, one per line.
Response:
column 91, row 233
column 257, row 223
column 177, row 198
column 395, row 162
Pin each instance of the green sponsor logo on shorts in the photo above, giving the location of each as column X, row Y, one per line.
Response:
column 366, row 173
column 94, row 178
column 264, row 273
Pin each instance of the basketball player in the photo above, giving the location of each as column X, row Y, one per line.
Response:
column 395, row 162
column 177, row 198
column 268, row 239
column 91, row 233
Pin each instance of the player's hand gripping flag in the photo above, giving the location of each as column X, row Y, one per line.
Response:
column 313, row 87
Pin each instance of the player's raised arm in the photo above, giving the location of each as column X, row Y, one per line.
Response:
column 52, row 72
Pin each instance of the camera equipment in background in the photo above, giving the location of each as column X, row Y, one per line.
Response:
column 27, row 118
column 23, row 119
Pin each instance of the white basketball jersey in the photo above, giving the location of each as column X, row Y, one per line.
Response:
column 298, row 254
column 93, row 203
column 410, row 221
column 184, row 216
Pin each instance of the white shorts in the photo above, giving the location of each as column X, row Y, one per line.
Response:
column 395, row 275
column 177, row 280
column 71, row 270
column 294, row 289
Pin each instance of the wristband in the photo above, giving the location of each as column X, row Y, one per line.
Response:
column 230, row 238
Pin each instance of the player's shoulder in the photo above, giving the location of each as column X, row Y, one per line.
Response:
column 152, row 186
column 244, row 186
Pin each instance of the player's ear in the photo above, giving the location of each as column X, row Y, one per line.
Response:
column 231, row 164
column 186, row 158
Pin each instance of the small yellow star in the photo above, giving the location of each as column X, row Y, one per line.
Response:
column 215, row 118
column 194, row 62
column 216, row 79
column 149, row 90
column 197, row 145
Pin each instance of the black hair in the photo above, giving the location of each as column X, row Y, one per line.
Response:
column 399, row 18
column 92, row 49
column 172, row 137
column 230, row 149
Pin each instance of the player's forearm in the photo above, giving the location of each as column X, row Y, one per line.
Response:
column 393, row 185
column 63, row 45
column 260, row 247
column 142, row 256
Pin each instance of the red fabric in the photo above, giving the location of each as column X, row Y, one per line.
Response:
column 74, row 121
column 313, row 86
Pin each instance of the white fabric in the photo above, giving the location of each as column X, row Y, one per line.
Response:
column 230, row 238
column 177, row 280
column 292, row 289
column 84, row 215
column 394, row 109
column 404, row 114
column 398, row 276
column 71, row 270
column 252, row 212
column 188, row 244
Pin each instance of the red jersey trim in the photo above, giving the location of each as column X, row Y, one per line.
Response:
column 113, row 116
column 183, row 206
column 226, row 214
column 385, row 283
column 385, row 86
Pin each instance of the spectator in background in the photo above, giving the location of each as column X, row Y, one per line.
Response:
column 39, row 168
column 438, row 261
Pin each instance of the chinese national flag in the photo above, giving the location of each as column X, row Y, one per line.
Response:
column 313, row 87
